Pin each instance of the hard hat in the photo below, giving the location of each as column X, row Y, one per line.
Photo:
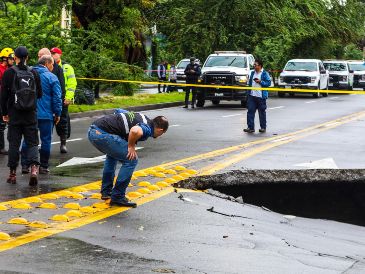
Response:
column 7, row 52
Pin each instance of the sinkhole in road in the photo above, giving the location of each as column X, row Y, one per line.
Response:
column 337, row 195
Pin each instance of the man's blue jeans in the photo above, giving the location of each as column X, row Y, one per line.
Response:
column 45, row 128
column 253, row 104
column 116, row 149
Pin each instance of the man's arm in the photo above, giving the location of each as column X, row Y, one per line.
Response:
column 265, row 80
column 159, row 71
column 56, row 99
column 71, row 83
column 38, row 84
column 5, row 91
column 135, row 134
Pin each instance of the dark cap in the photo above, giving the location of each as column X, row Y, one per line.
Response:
column 21, row 52
column 192, row 59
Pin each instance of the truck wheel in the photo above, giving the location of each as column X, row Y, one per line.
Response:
column 281, row 94
column 317, row 94
column 200, row 103
column 291, row 94
column 216, row 102
column 244, row 103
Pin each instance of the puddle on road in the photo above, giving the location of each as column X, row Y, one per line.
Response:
column 325, row 194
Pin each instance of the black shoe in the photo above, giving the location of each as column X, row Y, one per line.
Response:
column 123, row 202
column 185, row 106
column 105, row 196
column 249, row 130
column 25, row 170
column 43, row 170
column 3, row 151
column 12, row 177
column 63, row 149
column 262, row 130
column 192, row 106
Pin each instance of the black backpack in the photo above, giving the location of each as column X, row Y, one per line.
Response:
column 24, row 89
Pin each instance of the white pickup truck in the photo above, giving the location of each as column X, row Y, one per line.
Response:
column 304, row 74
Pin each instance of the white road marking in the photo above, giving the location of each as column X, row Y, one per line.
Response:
column 85, row 161
column 279, row 107
column 327, row 163
column 281, row 139
column 334, row 98
column 232, row 115
column 332, row 124
column 174, row 125
column 311, row 102
column 71, row 140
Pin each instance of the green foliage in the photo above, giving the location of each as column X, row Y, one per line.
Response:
column 352, row 52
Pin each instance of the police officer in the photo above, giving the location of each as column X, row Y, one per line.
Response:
column 6, row 61
column 63, row 128
column 116, row 135
column 192, row 72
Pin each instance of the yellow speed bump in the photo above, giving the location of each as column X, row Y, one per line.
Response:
column 88, row 209
column 179, row 168
column 178, row 177
column 48, row 206
column 72, row 206
column 60, row 218
column 144, row 191
column 162, row 184
column 79, row 189
column 153, row 188
column 144, row 183
column 96, row 196
column 24, row 206
column 64, row 193
column 170, row 180
column 38, row 224
column 134, row 194
column 94, row 186
column 134, row 177
column 170, row 171
column 130, row 185
column 18, row 221
column 140, row 174
column 160, row 175
column 150, row 171
column 159, row 168
column 101, row 205
column 3, row 208
column 4, row 236
column 74, row 213
column 50, row 196
column 191, row 171
column 76, row 196
column 33, row 200
column 185, row 175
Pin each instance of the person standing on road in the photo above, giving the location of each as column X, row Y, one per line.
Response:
column 49, row 109
column 19, row 92
column 256, row 100
column 116, row 135
column 63, row 128
column 7, row 60
column 192, row 72
column 172, row 77
column 161, row 74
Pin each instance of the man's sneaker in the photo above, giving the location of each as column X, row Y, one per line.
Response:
column 249, row 130
column 262, row 130
column 43, row 170
column 105, row 196
column 3, row 151
column 63, row 148
column 25, row 169
column 123, row 202
column 12, row 177
column 33, row 180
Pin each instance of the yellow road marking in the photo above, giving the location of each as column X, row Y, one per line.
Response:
column 58, row 228
column 225, row 87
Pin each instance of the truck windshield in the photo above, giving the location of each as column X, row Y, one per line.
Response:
column 183, row 64
column 301, row 66
column 357, row 67
column 226, row 61
column 335, row 66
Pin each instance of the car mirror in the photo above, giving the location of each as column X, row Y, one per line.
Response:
column 351, row 71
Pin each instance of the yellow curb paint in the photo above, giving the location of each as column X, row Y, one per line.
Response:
column 96, row 196
column 134, row 177
column 101, row 205
column 162, row 184
column 74, row 213
column 72, row 206
column 48, row 206
column 144, row 191
column 38, row 224
column 159, row 169
column 18, row 221
column 93, row 187
column 76, row 196
column 134, row 194
column 160, row 175
column 23, row 206
column 88, row 209
column 191, row 171
column 144, row 184
column 4, row 236
column 139, row 174
column 178, row 177
column 60, row 218
column 3, row 208
column 185, row 175
column 64, row 193
column 154, row 188
column 170, row 171
column 49, row 196
column 79, row 189
column 170, row 180
column 179, row 168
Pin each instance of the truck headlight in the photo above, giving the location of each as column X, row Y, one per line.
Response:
column 313, row 80
column 241, row 78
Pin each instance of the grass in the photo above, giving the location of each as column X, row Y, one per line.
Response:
column 110, row 102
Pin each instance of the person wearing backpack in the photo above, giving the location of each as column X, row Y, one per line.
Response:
column 49, row 109
column 20, row 89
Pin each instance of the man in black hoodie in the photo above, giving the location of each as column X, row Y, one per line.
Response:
column 21, row 115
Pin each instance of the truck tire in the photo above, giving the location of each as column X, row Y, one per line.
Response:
column 317, row 94
column 216, row 102
column 291, row 94
column 281, row 94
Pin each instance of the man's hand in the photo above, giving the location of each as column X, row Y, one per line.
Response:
column 132, row 153
column 66, row 102
column 56, row 120
column 6, row 118
column 258, row 81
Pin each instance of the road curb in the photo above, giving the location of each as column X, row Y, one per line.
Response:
column 134, row 108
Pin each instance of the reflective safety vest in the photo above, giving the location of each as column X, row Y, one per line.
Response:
column 70, row 80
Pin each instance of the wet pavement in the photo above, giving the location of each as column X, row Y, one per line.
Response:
column 180, row 232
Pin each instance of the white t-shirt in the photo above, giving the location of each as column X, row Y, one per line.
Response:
column 256, row 93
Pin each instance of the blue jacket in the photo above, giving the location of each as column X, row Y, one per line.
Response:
column 265, row 82
column 51, row 102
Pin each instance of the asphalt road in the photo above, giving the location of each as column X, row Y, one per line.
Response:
column 176, row 234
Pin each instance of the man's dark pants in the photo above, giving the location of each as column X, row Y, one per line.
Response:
column 63, row 128
column 187, row 93
column 2, row 133
column 253, row 104
column 15, row 134
column 161, row 79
